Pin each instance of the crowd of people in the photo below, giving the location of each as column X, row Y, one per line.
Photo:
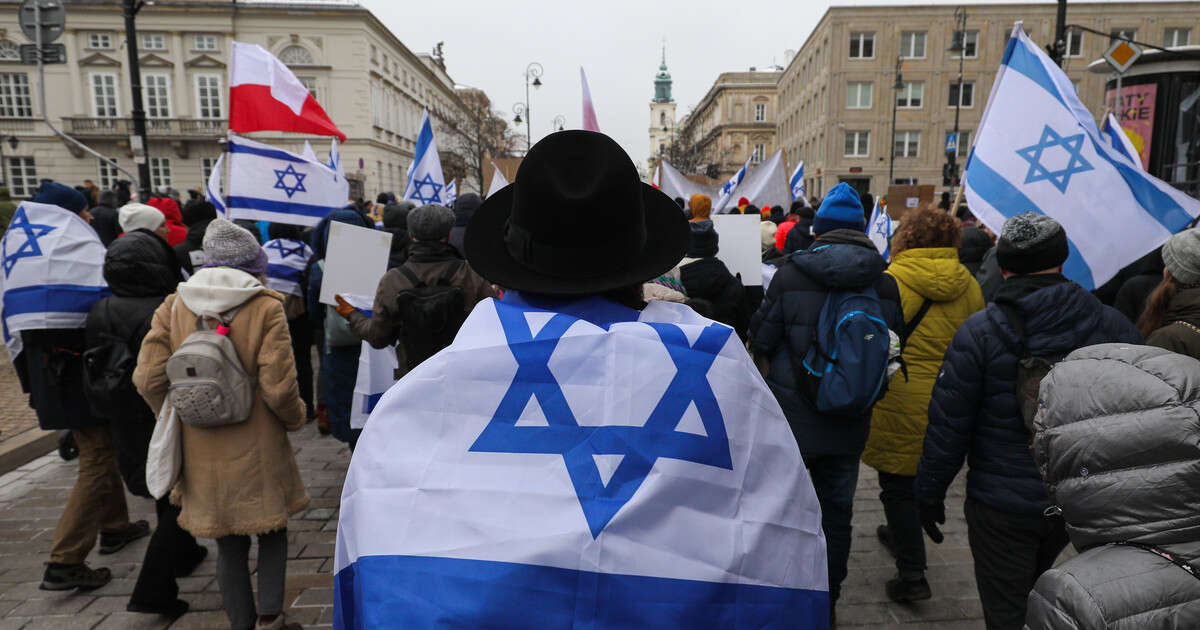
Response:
column 1105, row 458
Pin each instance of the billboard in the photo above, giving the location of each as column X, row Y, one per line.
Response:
column 1136, row 114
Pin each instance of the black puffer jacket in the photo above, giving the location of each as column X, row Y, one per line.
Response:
column 975, row 243
column 973, row 413
column 141, row 270
column 1118, row 444
column 709, row 279
column 799, row 237
column 782, row 330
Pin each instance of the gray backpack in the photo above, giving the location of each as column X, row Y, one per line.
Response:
column 208, row 387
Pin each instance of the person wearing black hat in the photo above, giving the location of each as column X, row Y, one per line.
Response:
column 1038, row 312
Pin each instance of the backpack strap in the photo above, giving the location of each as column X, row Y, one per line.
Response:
column 1014, row 319
column 911, row 326
column 447, row 277
column 411, row 275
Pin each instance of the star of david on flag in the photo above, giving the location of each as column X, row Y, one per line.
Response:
column 425, row 181
column 586, row 461
column 297, row 179
column 270, row 184
column 286, row 261
column 1038, row 149
column 423, row 184
column 29, row 248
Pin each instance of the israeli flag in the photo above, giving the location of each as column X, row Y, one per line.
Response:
column 270, row 184
column 731, row 186
column 53, row 271
column 286, row 261
column 587, row 466
column 1039, row 150
column 880, row 230
column 797, row 184
column 376, row 373
column 1112, row 132
column 425, row 182
column 451, row 192
column 212, row 189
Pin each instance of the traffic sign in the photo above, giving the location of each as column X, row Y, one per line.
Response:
column 53, row 19
column 1122, row 54
column 951, row 142
column 51, row 53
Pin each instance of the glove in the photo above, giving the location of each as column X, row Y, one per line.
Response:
column 343, row 307
column 932, row 515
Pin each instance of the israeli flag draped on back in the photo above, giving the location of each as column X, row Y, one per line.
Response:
column 797, row 184
column 1038, row 149
column 588, row 466
column 270, row 184
column 731, row 186
column 376, row 373
column 286, row 260
column 53, row 271
column 880, row 231
column 425, row 182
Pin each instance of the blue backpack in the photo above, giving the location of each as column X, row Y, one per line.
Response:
column 846, row 363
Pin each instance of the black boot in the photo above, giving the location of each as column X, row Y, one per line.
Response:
column 116, row 541
column 904, row 590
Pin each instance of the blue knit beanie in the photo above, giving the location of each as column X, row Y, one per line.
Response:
column 841, row 210
column 57, row 194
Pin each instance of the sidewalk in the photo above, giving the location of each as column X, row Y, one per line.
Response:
column 20, row 438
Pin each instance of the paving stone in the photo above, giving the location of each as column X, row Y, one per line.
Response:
column 133, row 621
column 314, row 597
column 65, row 605
column 208, row 620
column 71, row 622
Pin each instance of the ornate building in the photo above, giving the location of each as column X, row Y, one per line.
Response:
column 662, row 113
column 735, row 120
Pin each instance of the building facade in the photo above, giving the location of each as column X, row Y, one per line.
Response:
column 662, row 113
column 372, row 86
column 735, row 120
column 837, row 93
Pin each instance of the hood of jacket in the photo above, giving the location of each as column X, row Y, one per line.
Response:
column 320, row 234
column 215, row 290
column 704, row 277
column 1115, row 440
column 975, row 243
column 141, row 264
column 169, row 208
column 799, row 237
column 1059, row 315
column 841, row 259
column 933, row 273
column 1185, row 306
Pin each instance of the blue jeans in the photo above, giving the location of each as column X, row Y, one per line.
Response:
column 835, row 477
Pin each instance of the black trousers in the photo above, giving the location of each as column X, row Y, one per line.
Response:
column 904, row 523
column 171, row 550
column 302, row 341
column 1011, row 551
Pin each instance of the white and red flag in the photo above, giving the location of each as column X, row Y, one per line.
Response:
column 264, row 95
column 589, row 112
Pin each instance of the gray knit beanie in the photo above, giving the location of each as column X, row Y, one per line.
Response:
column 430, row 223
column 1030, row 243
column 227, row 245
column 1182, row 256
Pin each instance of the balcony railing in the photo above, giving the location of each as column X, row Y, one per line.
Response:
column 155, row 127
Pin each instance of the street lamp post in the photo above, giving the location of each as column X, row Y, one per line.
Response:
column 533, row 76
column 897, row 86
column 560, row 122
column 959, row 45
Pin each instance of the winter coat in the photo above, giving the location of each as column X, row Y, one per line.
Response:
column 191, row 251
column 320, row 242
column 104, row 221
column 709, row 279
column 1117, row 444
column 176, row 231
column 973, row 411
column 975, row 244
column 50, row 367
column 428, row 260
column 1181, row 330
column 799, row 237
column 899, row 419
column 141, row 270
column 240, row 478
column 464, row 208
column 782, row 330
column 989, row 275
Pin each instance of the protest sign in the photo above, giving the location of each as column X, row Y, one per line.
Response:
column 740, row 245
column 355, row 260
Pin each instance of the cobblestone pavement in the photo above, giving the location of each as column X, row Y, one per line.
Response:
column 31, row 498
column 15, row 415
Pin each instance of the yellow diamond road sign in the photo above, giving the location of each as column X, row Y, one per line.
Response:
column 1122, row 54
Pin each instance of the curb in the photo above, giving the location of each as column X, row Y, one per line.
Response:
column 25, row 447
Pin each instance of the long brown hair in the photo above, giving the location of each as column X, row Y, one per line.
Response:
column 1156, row 304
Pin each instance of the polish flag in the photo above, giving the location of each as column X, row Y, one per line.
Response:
column 589, row 112
column 264, row 95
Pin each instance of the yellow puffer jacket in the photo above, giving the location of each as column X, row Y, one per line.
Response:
column 898, row 421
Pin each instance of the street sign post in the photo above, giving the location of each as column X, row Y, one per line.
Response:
column 951, row 142
column 53, row 20
column 1121, row 55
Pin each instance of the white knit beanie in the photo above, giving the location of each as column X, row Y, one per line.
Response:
column 139, row 216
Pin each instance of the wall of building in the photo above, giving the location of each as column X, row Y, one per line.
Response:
column 735, row 119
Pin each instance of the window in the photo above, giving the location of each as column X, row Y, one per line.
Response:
column 908, row 144
column 970, row 43
column 104, row 95
column 156, row 91
column 208, row 95
column 904, row 181
column 296, row 55
column 9, row 50
column 1176, row 37
column 206, row 168
column 14, row 95
column 858, row 95
column 968, row 94
column 760, row 151
column 22, row 177
column 374, row 54
column 160, row 171
column 204, row 42
column 1074, row 43
column 153, row 41
column 108, row 174
column 760, row 112
column 99, row 41
column 862, row 45
column 1123, row 33
column 912, row 95
column 858, row 143
column 912, row 44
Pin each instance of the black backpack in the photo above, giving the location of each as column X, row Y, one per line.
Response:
column 108, row 366
column 430, row 315
column 1031, row 369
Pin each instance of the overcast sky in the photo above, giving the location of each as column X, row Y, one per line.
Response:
column 488, row 44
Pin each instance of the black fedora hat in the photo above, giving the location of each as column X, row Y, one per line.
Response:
column 576, row 220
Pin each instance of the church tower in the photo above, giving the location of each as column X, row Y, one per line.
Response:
column 662, row 113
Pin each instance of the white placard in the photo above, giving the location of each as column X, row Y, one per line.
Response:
column 355, row 260
column 740, row 245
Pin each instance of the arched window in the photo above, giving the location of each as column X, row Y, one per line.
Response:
column 295, row 55
column 9, row 51
column 662, row 118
